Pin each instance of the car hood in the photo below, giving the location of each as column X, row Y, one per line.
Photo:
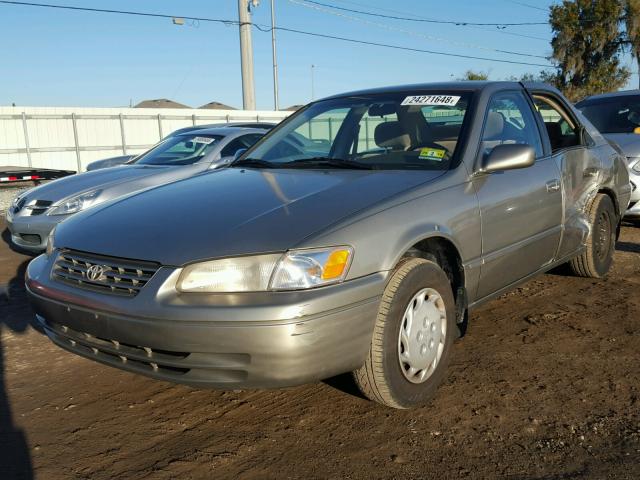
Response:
column 62, row 188
column 230, row 212
column 628, row 142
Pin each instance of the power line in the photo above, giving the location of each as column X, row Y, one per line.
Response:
column 266, row 28
column 501, row 31
column 410, row 49
column 121, row 12
column 513, row 34
column 424, row 20
column 304, row 3
column 523, row 4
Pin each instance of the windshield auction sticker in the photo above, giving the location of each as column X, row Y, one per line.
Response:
column 445, row 100
column 205, row 140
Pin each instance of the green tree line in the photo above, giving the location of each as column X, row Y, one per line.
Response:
column 589, row 39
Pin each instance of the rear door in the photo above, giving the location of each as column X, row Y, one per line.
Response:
column 521, row 210
column 572, row 151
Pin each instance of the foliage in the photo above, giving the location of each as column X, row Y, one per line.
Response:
column 631, row 19
column 471, row 75
column 587, row 44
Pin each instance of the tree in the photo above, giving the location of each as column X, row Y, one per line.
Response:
column 631, row 20
column 587, row 42
column 471, row 75
column 543, row 76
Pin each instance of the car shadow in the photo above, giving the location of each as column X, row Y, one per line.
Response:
column 15, row 316
column 6, row 238
column 346, row 384
column 628, row 247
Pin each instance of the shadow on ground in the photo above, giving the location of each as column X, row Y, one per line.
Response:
column 628, row 247
column 15, row 317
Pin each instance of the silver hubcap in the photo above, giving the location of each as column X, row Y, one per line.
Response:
column 422, row 335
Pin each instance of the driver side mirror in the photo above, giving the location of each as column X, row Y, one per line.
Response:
column 508, row 157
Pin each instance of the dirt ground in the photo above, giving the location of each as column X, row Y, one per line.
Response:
column 545, row 385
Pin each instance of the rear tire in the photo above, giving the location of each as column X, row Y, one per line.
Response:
column 412, row 338
column 596, row 260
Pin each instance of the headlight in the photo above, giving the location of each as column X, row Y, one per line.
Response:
column 311, row 268
column 636, row 167
column 241, row 274
column 296, row 269
column 16, row 200
column 50, row 243
column 76, row 203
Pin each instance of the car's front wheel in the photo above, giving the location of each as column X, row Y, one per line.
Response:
column 412, row 337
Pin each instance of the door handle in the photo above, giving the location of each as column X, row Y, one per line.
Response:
column 553, row 186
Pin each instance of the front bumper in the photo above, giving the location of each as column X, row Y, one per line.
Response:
column 225, row 341
column 634, row 206
column 30, row 232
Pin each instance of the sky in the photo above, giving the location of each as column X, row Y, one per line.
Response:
column 71, row 58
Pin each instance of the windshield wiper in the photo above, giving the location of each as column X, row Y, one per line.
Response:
column 253, row 162
column 328, row 162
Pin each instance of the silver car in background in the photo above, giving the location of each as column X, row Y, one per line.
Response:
column 34, row 213
column 617, row 116
column 123, row 159
column 359, row 249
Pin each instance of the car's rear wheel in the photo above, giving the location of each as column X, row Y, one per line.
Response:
column 412, row 338
column 596, row 260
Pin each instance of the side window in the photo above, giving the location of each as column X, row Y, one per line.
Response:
column 562, row 131
column 510, row 120
column 244, row 141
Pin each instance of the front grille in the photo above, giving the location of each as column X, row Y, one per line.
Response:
column 103, row 274
column 142, row 358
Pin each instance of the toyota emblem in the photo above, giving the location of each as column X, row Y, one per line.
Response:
column 96, row 272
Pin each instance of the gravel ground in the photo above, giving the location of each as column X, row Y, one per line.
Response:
column 7, row 194
column 544, row 386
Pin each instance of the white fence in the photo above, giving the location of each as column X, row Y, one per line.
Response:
column 70, row 138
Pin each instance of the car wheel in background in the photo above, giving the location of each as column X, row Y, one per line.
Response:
column 412, row 339
column 596, row 260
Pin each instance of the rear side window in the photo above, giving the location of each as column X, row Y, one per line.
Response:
column 510, row 120
column 562, row 130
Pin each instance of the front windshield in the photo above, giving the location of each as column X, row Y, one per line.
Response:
column 409, row 130
column 180, row 150
column 613, row 115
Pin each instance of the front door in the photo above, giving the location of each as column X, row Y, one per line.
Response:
column 521, row 210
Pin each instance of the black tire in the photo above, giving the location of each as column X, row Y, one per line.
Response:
column 596, row 260
column 381, row 378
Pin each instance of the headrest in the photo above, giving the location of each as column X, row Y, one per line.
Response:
column 494, row 126
column 391, row 135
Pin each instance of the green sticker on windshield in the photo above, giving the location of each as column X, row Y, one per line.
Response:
column 436, row 154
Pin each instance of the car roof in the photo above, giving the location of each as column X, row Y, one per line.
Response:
column 621, row 93
column 223, row 131
column 459, row 86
